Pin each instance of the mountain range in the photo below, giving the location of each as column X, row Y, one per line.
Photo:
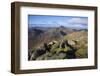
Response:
column 38, row 37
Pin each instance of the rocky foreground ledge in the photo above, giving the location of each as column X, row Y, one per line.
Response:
column 72, row 46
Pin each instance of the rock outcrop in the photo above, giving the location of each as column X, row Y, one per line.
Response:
column 71, row 46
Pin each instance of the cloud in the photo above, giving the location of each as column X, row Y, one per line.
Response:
column 80, row 26
column 82, row 21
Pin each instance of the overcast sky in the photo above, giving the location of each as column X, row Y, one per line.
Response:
column 56, row 21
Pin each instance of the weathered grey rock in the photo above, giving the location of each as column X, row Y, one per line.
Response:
column 63, row 44
column 38, row 52
column 71, row 42
column 32, row 57
column 62, row 55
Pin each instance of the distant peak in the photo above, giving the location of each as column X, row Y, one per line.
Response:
column 62, row 26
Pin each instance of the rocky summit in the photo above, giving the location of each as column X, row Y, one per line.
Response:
column 59, row 43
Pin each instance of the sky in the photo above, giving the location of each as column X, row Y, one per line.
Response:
column 56, row 21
